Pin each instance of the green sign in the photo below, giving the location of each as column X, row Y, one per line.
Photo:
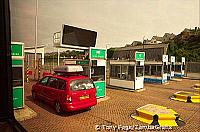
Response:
column 139, row 56
column 100, row 88
column 17, row 62
column 98, row 54
column 17, row 97
column 83, row 62
column 16, row 50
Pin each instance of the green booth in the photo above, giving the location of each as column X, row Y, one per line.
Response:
column 17, row 52
column 97, row 59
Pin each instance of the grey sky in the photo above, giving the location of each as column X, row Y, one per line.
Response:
column 118, row 22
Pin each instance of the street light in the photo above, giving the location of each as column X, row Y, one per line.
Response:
column 143, row 43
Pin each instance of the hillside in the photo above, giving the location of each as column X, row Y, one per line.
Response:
column 186, row 44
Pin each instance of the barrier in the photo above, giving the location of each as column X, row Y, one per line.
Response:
column 158, row 115
column 188, row 97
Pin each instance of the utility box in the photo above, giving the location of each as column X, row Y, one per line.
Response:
column 17, row 52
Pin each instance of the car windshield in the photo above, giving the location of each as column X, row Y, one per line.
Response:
column 82, row 84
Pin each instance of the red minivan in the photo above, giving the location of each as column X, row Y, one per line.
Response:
column 66, row 90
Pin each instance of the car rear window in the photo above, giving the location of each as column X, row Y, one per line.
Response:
column 81, row 84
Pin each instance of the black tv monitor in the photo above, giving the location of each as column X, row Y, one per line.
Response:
column 78, row 37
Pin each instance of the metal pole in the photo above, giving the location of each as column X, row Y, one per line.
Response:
column 58, row 56
column 143, row 43
column 36, row 24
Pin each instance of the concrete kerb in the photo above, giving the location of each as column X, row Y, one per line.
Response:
column 102, row 99
column 125, row 89
column 158, row 115
column 24, row 113
column 189, row 97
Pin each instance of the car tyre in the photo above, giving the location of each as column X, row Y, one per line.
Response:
column 58, row 108
column 34, row 95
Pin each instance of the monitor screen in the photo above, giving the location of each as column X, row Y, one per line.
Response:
column 78, row 37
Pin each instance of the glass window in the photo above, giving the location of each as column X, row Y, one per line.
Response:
column 131, row 73
column 44, row 81
column 82, row 84
column 165, row 67
column 158, row 70
column 124, row 73
column 178, row 68
column 61, row 84
column 53, row 82
column 146, row 70
column 115, row 71
column 183, row 66
column 98, row 73
column 139, row 71
column 17, row 76
column 173, row 66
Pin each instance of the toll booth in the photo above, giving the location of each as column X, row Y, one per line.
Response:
column 156, row 71
column 17, row 52
column 128, row 74
column 171, row 68
column 97, row 59
column 94, row 66
column 180, row 68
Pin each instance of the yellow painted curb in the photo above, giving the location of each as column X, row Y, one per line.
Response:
column 189, row 97
column 156, row 115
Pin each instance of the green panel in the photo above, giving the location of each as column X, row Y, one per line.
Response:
column 84, row 62
column 139, row 56
column 100, row 88
column 16, row 49
column 98, row 54
column 17, row 97
column 17, row 62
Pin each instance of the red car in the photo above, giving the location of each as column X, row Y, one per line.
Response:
column 66, row 92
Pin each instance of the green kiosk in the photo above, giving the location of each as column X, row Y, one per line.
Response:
column 97, row 58
column 17, row 52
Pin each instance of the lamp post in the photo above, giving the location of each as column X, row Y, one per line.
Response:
column 143, row 43
column 36, row 24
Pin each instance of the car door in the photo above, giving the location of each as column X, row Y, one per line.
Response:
column 41, row 86
column 50, row 90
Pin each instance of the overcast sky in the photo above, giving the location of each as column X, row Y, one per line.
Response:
column 117, row 22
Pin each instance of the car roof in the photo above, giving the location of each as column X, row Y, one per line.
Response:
column 67, row 78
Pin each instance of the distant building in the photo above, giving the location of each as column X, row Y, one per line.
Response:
column 153, row 52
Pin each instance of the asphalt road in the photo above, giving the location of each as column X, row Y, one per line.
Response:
column 114, row 111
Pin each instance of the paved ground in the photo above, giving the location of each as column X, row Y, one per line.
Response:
column 114, row 111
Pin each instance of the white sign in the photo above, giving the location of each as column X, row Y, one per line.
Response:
column 165, row 58
column 172, row 58
column 183, row 59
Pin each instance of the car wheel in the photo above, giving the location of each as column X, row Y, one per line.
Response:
column 58, row 108
column 34, row 95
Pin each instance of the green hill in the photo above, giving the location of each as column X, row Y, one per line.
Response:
column 186, row 44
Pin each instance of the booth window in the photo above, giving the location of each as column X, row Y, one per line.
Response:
column 115, row 71
column 173, row 66
column 146, row 70
column 17, row 76
column 98, row 73
column 124, row 73
column 131, row 73
column 178, row 68
column 183, row 66
column 165, row 67
column 139, row 71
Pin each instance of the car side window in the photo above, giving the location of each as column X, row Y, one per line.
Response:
column 53, row 82
column 62, row 84
column 44, row 81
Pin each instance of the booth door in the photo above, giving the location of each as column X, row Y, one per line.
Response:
column 139, row 79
